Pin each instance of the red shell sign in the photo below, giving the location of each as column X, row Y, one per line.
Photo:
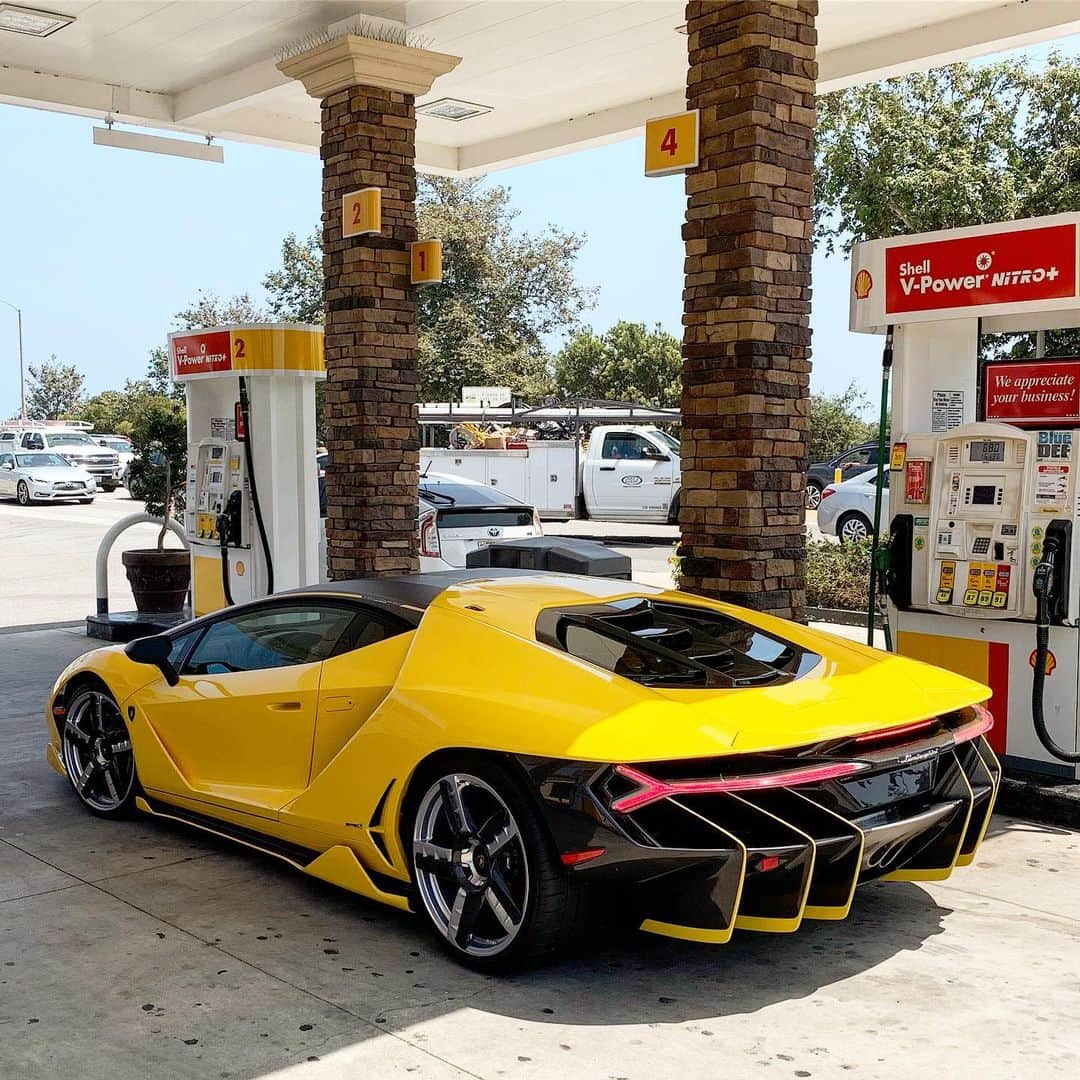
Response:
column 990, row 268
column 200, row 354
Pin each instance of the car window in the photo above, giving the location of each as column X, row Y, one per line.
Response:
column 6, row 459
column 442, row 494
column 118, row 445
column 40, row 461
column 368, row 628
column 269, row 637
column 180, row 645
column 33, row 441
column 624, row 446
column 671, row 441
column 856, row 457
column 70, row 438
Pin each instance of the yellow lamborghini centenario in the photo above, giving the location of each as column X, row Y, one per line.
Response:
column 493, row 748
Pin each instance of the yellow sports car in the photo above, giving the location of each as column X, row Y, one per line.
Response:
column 494, row 748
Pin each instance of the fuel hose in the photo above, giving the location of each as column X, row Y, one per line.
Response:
column 245, row 412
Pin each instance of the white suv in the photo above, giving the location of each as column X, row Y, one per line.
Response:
column 77, row 446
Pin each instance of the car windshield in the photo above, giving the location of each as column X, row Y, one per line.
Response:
column 672, row 442
column 40, row 461
column 119, row 445
column 464, row 494
column 70, row 438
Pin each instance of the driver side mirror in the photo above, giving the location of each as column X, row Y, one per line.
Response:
column 154, row 651
column 651, row 453
column 7, row 465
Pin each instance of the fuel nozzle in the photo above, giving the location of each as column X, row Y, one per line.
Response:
column 1044, row 580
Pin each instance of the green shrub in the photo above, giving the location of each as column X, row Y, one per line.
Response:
column 837, row 575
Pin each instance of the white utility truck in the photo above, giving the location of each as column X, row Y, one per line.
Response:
column 624, row 473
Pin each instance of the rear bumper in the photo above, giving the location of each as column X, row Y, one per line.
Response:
column 701, row 866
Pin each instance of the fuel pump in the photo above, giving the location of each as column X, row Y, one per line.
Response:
column 252, row 514
column 982, row 572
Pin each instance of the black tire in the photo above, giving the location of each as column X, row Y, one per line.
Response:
column 813, row 495
column 109, row 486
column 554, row 911
column 853, row 527
column 673, row 511
column 97, row 754
column 23, row 494
column 86, row 502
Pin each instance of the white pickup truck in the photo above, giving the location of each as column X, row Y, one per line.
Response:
column 624, row 473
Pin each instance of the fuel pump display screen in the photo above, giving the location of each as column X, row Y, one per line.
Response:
column 984, row 495
column 987, row 450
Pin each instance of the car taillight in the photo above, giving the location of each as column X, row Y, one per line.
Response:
column 536, row 524
column 830, row 490
column 429, row 535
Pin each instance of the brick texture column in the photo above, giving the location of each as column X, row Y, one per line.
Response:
column 372, row 381
column 746, row 343
column 367, row 88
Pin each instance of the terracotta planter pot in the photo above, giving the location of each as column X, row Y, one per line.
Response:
column 159, row 579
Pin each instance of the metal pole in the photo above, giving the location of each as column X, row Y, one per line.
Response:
column 883, row 420
column 22, row 380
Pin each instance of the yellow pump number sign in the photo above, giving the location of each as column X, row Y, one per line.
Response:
column 361, row 212
column 671, row 143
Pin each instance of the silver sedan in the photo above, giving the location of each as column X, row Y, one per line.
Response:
column 847, row 508
column 41, row 476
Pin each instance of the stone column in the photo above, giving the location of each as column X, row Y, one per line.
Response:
column 746, row 343
column 367, row 89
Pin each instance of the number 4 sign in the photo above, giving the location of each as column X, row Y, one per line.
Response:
column 671, row 143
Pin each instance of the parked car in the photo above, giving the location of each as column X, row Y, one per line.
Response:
column 81, row 449
column 124, row 450
column 847, row 509
column 850, row 463
column 43, row 477
column 458, row 516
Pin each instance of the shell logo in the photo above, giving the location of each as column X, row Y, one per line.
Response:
column 863, row 284
column 1051, row 662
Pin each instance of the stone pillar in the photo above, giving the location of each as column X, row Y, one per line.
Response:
column 367, row 89
column 746, row 343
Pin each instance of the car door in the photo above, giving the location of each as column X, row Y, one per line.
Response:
column 239, row 725
column 7, row 474
column 625, row 477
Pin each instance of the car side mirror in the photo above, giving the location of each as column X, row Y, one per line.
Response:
column 154, row 651
column 7, row 465
column 651, row 453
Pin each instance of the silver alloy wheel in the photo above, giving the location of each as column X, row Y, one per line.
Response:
column 97, row 751
column 24, row 494
column 470, row 865
column 813, row 496
column 854, row 529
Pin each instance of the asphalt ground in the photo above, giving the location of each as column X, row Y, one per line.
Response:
column 137, row 949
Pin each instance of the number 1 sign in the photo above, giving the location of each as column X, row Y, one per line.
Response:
column 671, row 143
column 426, row 262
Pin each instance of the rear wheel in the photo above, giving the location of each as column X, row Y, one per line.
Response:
column 852, row 528
column 813, row 495
column 23, row 494
column 485, row 876
column 673, row 512
column 97, row 753
column 86, row 502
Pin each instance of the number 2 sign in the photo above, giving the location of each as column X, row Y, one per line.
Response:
column 361, row 212
column 671, row 143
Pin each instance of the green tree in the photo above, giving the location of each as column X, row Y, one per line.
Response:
column 159, row 470
column 838, row 421
column 505, row 291
column 110, row 411
column 627, row 363
column 55, row 391
column 209, row 309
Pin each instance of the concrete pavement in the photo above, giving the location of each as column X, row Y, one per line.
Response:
column 140, row 950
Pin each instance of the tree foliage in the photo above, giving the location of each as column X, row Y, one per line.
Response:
column 159, row 470
column 960, row 145
column 838, row 421
column 55, row 391
column 505, row 291
column 627, row 363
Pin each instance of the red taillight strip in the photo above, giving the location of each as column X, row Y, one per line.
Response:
column 573, row 858
column 896, row 732
column 983, row 722
column 650, row 789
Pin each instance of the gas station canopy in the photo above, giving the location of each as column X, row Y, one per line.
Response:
column 536, row 78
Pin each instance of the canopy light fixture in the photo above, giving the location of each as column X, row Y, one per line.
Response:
column 156, row 144
column 452, row 109
column 22, row 20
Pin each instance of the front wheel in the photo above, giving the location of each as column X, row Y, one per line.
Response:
column 86, row 502
column 813, row 495
column 97, row 754
column 23, row 494
column 852, row 528
column 483, row 870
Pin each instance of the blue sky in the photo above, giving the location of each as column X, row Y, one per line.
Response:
column 101, row 246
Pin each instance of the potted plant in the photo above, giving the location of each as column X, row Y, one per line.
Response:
column 159, row 577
